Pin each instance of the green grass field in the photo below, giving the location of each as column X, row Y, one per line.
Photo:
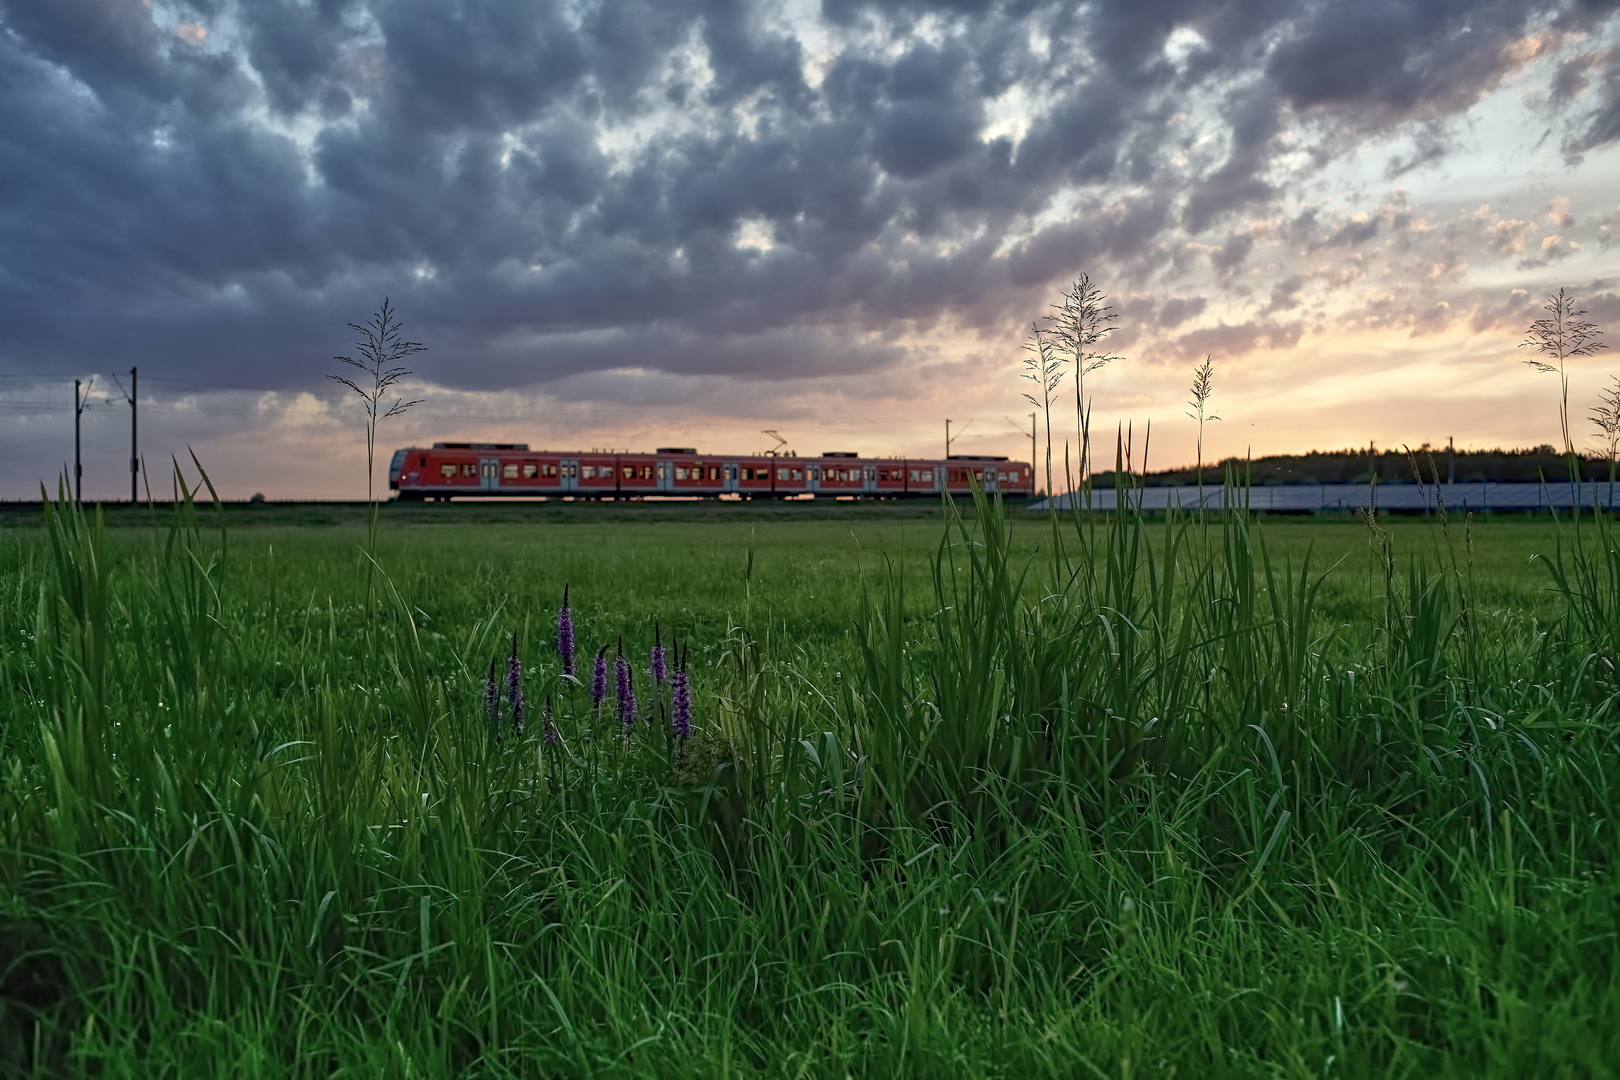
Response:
column 979, row 797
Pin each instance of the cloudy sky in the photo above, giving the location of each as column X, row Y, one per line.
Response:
column 627, row 224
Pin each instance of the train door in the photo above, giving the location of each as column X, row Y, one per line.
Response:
column 569, row 481
column 728, row 474
column 991, row 476
column 870, row 475
column 489, row 473
column 813, row 478
column 666, row 476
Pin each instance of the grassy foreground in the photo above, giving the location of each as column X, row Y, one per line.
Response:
column 966, row 798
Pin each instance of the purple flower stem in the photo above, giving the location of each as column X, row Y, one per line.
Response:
column 565, row 634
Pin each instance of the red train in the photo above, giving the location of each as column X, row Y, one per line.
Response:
column 450, row 469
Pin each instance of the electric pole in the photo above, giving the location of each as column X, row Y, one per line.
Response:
column 78, row 464
column 134, row 452
column 1033, row 428
column 948, row 436
column 134, row 447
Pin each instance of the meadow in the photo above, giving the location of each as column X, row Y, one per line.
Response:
column 967, row 793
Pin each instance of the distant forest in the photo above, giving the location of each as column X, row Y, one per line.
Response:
column 1390, row 466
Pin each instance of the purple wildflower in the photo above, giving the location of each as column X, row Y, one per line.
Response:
column 492, row 699
column 514, row 687
column 624, row 691
column 548, row 724
column 599, row 678
column 565, row 634
column 657, row 669
column 681, row 698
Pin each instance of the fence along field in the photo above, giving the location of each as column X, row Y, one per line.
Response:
column 987, row 797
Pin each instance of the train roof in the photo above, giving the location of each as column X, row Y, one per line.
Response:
column 480, row 446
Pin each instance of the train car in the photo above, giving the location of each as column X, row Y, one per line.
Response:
column 596, row 475
column 448, row 470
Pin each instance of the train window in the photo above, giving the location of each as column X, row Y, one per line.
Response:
column 714, row 473
column 551, row 470
column 469, row 469
column 646, row 472
column 798, row 474
column 447, row 470
column 509, row 471
column 680, row 473
column 529, row 470
column 421, row 463
column 629, row 473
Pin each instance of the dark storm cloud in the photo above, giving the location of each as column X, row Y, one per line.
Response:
column 1600, row 125
column 220, row 188
column 1236, row 340
column 1179, row 309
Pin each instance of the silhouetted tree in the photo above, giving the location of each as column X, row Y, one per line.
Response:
column 380, row 350
column 1044, row 368
column 1076, row 333
column 1562, row 336
column 1203, row 385
column 1607, row 418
